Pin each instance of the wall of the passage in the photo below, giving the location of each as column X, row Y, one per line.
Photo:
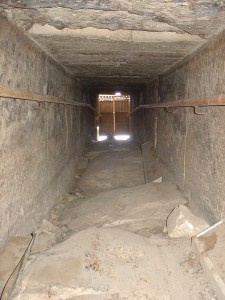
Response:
column 192, row 147
column 145, row 121
column 39, row 146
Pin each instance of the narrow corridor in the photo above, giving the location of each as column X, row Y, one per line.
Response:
column 137, row 219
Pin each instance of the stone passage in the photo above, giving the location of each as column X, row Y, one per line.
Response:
column 158, row 67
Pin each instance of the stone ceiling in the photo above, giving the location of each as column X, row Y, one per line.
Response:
column 131, row 40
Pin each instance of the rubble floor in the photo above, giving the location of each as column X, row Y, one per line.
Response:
column 109, row 242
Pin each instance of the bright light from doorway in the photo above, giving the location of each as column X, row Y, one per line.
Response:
column 102, row 138
column 123, row 137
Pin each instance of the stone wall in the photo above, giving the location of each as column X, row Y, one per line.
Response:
column 191, row 146
column 39, row 146
column 145, row 121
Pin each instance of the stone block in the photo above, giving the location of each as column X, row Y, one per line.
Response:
column 183, row 223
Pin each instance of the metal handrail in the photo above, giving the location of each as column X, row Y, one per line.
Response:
column 11, row 93
column 218, row 100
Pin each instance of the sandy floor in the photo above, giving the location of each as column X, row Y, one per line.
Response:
column 114, row 264
column 111, row 245
column 112, row 168
column 141, row 209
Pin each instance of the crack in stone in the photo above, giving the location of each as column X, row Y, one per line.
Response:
column 165, row 20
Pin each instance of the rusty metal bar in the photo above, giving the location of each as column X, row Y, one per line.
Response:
column 7, row 92
column 218, row 100
column 114, row 117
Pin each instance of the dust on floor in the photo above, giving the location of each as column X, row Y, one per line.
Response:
column 112, row 244
column 141, row 209
column 109, row 263
column 112, row 168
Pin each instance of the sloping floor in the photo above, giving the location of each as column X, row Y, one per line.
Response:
column 141, row 209
column 111, row 167
column 109, row 241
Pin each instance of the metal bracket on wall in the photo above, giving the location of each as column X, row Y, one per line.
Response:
column 41, row 105
column 38, row 107
column 171, row 111
column 61, row 106
column 197, row 112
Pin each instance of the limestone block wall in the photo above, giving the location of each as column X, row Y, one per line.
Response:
column 191, row 147
column 149, row 117
column 39, row 146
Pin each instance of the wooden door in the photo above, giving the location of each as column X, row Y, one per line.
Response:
column 106, row 119
column 114, row 115
column 122, row 117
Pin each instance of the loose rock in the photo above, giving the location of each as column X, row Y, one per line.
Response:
column 182, row 223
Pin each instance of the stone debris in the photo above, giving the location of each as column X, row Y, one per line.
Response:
column 183, row 223
column 66, row 201
column 83, row 164
column 55, row 212
column 109, row 263
column 47, row 235
column 111, row 245
column 142, row 209
column 73, row 196
column 158, row 180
